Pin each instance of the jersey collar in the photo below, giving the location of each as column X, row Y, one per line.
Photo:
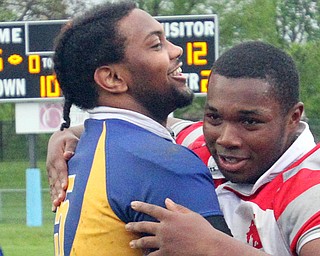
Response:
column 138, row 119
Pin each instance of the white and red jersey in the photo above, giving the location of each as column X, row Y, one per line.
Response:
column 281, row 211
column 190, row 135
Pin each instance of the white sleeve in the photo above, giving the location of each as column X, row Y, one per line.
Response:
column 179, row 126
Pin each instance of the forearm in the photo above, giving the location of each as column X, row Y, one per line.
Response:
column 220, row 244
column 77, row 130
column 61, row 147
column 183, row 232
column 219, row 223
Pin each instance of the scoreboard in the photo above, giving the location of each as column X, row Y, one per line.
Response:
column 198, row 37
column 26, row 49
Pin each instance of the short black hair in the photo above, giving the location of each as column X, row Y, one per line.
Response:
column 84, row 44
column 256, row 59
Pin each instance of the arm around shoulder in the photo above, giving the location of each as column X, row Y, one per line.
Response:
column 61, row 147
column 183, row 232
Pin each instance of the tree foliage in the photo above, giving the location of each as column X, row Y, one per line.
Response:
column 175, row 7
column 298, row 20
column 281, row 22
column 19, row 10
column 6, row 111
column 308, row 61
column 247, row 20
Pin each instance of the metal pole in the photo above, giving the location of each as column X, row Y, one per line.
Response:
column 1, row 141
column 32, row 150
column 33, row 187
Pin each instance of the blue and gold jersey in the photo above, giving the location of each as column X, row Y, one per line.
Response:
column 117, row 162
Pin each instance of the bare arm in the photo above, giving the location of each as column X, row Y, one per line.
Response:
column 183, row 232
column 311, row 248
column 61, row 147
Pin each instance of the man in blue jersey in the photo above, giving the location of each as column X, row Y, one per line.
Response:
column 115, row 62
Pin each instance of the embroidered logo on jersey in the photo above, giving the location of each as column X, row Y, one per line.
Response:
column 253, row 237
column 213, row 169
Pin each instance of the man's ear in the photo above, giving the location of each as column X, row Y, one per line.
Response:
column 296, row 113
column 109, row 79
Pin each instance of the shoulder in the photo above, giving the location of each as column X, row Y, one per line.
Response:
column 190, row 134
column 186, row 132
column 297, row 201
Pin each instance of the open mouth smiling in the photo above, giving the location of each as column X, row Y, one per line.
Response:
column 232, row 163
column 176, row 72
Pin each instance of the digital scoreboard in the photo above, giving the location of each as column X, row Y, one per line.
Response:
column 26, row 50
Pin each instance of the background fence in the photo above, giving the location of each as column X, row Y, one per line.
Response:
column 15, row 146
column 13, row 206
column 18, row 235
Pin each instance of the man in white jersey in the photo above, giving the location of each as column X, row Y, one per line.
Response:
column 268, row 178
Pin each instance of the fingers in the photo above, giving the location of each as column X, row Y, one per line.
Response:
column 155, row 211
column 57, row 199
column 58, row 181
column 61, row 148
column 67, row 155
column 172, row 206
column 146, row 242
column 63, row 179
column 57, row 194
column 70, row 147
column 142, row 227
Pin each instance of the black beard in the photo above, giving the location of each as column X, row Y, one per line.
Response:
column 160, row 106
column 183, row 99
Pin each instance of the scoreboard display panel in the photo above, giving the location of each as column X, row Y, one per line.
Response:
column 26, row 49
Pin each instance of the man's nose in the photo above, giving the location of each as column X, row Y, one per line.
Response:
column 175, row 51
column 229, row 136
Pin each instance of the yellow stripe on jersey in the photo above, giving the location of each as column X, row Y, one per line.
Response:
column 100, row 231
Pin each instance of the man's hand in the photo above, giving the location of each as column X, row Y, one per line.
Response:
column 61, row 147
column 183, row 232
column 179, row 232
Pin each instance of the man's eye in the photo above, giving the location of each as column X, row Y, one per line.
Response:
column 157, row 46
column 214, row 119
column 250, row 122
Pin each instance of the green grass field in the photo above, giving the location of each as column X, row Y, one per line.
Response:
column 16, row 238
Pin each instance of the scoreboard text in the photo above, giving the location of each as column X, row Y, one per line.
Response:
column 26, row 50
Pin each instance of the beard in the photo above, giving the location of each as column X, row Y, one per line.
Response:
column 183, row 98
column 161, row 105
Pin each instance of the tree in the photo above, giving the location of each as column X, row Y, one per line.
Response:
column 246, row 20
column 6, row 111
column 175, row 7
column 307, row 57
column 6, row 15
column 298, row 20
column 19, row 10
column 281, row 22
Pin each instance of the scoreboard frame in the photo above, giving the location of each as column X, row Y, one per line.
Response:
column 26, row 50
